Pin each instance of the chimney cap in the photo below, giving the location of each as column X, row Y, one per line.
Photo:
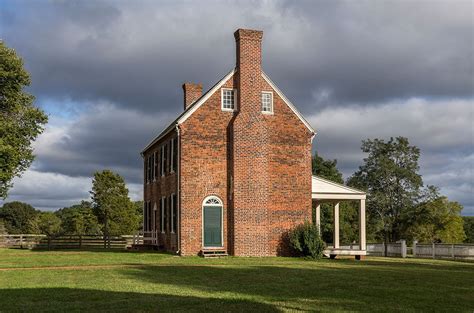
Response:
column 189, row 84
column 251, row 34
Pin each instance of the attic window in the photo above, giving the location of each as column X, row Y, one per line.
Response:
column 228, row 99
column 267, row 102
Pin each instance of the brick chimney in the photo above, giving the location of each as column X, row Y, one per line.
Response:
column 251, row 150
column 191, row 92
column 249, row 64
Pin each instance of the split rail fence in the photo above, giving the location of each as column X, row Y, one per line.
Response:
column 28, row 241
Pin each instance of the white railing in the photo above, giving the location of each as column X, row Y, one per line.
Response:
column 432, row 250
column 146, row 238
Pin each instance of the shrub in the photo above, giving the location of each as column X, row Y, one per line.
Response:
column 306, row 241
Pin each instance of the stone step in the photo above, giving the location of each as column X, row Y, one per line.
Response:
column 214, row 253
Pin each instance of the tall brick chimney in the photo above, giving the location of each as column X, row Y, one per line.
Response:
column 251, row 150
column 249, row 63
column 191, row 92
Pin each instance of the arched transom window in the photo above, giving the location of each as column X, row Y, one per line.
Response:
column 212, row 200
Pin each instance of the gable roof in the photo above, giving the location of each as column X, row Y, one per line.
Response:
column 190, row 109
column 200, row 101
column 325, row 189
column 288, row 102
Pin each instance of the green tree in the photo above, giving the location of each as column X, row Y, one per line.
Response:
column 79, row 219
column 390, row 177
column 326, row 169
column 50, row 225
column 349, row 218
column 20, row 121
column 469, row 228
column 17, row 217
column 437, row 220
column 112, row 205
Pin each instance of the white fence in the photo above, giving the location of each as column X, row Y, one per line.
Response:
column 434, row 250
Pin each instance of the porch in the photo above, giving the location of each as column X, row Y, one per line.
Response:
column 325, row 191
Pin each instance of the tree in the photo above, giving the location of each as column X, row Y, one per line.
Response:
column 79, row 219
column 20, row 121
column 390, row 177
column 437, row 220
column 17, row 217
column 111, row 204
column 327, row 169
column 50, row 225
column 469, row 228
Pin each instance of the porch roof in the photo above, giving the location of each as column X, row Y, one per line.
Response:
column 324, row 189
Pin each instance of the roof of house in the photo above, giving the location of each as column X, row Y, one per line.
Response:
column 325, row 189
column 196, row 104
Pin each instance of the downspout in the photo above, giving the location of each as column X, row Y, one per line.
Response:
column 178, row 190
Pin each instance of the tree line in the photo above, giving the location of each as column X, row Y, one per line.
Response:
column 110, row 212
column 399, row 205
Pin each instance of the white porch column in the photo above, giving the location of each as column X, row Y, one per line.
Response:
column 336, row 225
column 318, row 216
column 362, row 241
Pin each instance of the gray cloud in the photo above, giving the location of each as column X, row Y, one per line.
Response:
column 137, row 54
column 110, row 72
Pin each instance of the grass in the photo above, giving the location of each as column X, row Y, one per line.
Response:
column 73, row 281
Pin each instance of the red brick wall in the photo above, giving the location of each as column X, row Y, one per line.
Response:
column 272, row 161
column 204, row 169
column 162, row 187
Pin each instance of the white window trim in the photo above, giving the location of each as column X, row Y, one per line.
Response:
column 163, row 226
column 172, row 213
column 271, row 102
column 222, row 100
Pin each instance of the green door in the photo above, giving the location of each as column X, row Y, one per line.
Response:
column 212, row 226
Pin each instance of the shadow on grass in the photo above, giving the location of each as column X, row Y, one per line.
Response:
column 382, row 286
column 88, row 300
column 101, row 250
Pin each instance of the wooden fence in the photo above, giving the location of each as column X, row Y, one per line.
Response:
column 29, row 241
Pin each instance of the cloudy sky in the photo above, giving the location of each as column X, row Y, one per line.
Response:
column 109, row 75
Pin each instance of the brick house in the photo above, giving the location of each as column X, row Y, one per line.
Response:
column 233, row 171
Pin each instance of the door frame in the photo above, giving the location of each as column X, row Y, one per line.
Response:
column 219, row 204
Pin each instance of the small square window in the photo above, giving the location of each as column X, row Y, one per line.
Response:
column 228, row 99
column 267, row 102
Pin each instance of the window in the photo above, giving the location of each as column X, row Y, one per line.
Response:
column 168, row 156
column 155, row 214
column 163, row 160
column 162, row 214
column 267, row 102
column 155, row 162
column 174, row 213
column 167, row 214
column 228, row 97
column 174, row 154
column 147, row 216
column 145, row 169
column 150, row 168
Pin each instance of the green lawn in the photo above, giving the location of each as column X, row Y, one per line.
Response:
column 66, row 281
